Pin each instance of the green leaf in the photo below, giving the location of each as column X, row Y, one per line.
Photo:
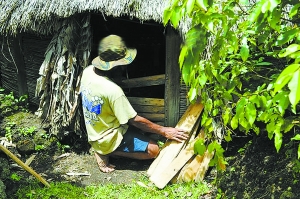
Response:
column 271, row 128
column 234, row 122
column 250, row 113
column 257, row 12
column 294, row 86
column 176, row 16
column 266, row 6
column 255, row 99
column 294, row 10
column 286, row 36
column 186, row 73
column 285, row 76
column 274, row 4
column 190, row 6
column 283, row 104
column 227, row 137
column 296, row 137
column 202, row 79
column 211, row 147
column 278, row 141
column 287, row 125
column 289, row 50
column 226, row 116
column 208, row 122
column 202, row 4
column 244, row 52
column 199, row 147
column 167, row 15
column 182, row 55
column 243, row 122
column 209, row 105
column 215, row 112
column 240, row 106
column 192, row 94
column 299, row 151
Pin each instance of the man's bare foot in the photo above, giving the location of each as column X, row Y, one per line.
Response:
column 103, row 163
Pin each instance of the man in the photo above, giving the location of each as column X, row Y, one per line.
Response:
column 107, row 112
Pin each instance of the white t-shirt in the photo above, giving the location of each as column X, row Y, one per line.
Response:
column 106, row 111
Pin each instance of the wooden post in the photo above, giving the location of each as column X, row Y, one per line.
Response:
column 172, row 85
column 19, row 64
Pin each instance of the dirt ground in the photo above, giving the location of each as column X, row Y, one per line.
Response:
column 255, row 170
column 85, row 170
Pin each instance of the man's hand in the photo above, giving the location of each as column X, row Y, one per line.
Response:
column 174, row 134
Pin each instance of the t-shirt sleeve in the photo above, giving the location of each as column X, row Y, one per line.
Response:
column 123, row 109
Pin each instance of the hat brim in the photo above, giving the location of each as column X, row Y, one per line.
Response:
column 103, row 65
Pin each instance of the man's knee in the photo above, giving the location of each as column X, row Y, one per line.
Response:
column 153, row 149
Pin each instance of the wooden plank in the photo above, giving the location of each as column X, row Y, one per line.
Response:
column 171, row 148
column 148, row 109
column 144, row 81
column 155, row 117
column 171, row 170
column 172, row 86
column 146, row 101
column 203, row 167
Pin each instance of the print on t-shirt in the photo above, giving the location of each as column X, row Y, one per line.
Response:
column 92, row 106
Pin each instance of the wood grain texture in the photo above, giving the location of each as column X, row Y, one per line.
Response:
column 146, row 101
column 174, row 167
column 154, row 117
column 148, row 109
column 172, row 86
column 171, row 148
column 144, row 81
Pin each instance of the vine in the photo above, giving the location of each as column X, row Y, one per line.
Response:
column 244, row 58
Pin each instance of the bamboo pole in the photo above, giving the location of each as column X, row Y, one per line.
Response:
column 24, row 166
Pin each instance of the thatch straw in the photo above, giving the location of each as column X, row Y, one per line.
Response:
column 42, row 15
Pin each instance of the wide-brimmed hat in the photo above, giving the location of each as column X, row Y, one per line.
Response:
column 113, row 52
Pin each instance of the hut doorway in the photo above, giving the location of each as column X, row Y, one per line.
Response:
column 144, row 81
column 149, row 40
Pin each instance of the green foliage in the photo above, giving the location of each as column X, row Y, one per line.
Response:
column 8, row 130
column 15, row 177
column 249, row 76
column 39, row 147
column 133, row 191
column 27, row 131
column 9, row 103
column 62, row 147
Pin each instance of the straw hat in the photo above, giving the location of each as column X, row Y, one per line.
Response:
column 113, row 52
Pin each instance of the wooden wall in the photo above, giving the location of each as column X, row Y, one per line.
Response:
column 20, row 60
column 9, row 78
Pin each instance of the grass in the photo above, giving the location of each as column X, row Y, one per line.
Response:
column 135, row 190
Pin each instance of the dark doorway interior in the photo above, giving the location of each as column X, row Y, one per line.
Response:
column 149, row 40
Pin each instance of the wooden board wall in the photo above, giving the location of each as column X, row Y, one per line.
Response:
column 172, row 86
column 150, row 108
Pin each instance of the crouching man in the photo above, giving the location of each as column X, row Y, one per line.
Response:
column 112, row 125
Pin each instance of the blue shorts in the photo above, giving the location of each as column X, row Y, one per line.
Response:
column 134, row 141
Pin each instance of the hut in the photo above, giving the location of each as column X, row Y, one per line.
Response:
column 46, row 44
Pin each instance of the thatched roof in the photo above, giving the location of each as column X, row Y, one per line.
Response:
column 41, row 16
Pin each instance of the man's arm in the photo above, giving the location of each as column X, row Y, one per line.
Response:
column 148, row 126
